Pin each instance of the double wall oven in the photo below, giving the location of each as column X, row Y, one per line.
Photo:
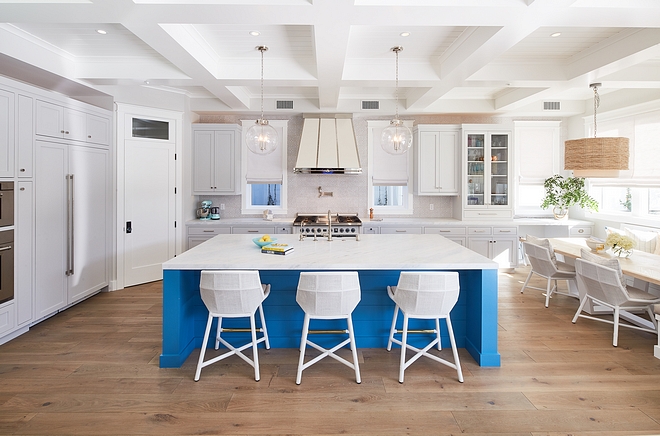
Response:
column 6, row 241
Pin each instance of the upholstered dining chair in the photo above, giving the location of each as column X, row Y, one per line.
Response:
column 544, row 266
column 602, row 285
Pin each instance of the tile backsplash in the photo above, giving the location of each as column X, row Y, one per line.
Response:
column 349, row 191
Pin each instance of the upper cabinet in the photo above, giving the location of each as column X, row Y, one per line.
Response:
column 61, row 122
column 487, row 173
column 436, row 159
column 6, row 133
column 216, row 154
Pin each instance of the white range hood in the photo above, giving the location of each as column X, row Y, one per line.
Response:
column 328, row 146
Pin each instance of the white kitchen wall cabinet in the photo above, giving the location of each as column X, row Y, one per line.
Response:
column 25, row 136
column 496, row 243
column 487, row 173
column 436, row 160
column 216, row 159
column 58, row 121
column 7, row 147
column 72, row 237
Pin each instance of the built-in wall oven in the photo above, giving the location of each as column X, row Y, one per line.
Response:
column 6, row 241
column 6, row 265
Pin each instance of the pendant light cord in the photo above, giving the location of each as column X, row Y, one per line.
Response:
column 396, row 92
column 262, row 49
column 596, row 104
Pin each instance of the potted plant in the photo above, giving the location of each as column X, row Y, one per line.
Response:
column 562, row 193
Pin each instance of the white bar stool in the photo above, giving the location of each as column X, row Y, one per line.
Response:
column 328, row 295
column 424, row 295
column 233, row 294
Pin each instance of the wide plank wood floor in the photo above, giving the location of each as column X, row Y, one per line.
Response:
column 93, row 370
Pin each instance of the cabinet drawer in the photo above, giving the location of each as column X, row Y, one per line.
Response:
column 251, row 230
column 284, row 230
column 479, row 230
column 400, row 230
column 512, row 231
column 372, row 230
column 7, row 320
column 209, row 231
column 488, row 214
column 580, row 231
column 445, row 230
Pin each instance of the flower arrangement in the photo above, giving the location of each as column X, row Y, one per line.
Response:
column 621, row 245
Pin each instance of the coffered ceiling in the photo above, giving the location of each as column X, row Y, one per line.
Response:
column 462, row 56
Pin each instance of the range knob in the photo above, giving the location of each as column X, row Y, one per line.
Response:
column 352, row 229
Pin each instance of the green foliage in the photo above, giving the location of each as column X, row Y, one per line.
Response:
column 565, row 192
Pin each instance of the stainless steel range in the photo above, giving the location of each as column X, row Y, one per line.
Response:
column 340, row 224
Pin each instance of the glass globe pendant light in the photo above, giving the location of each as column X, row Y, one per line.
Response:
column 261, row 138
column 396, row 138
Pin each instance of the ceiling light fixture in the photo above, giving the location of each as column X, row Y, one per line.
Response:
column 404, row 34
column 261, row 138
column 101, row 31
column 396, row 138
column 596, row 157
column 556, row 34
column 255, row 33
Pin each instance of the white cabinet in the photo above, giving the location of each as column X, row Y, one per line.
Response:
column 25, row 136
column 400, row 230
column 7, row 147
column 456, row 234
column 487, row 178
column 256, row 230
column 436, row 160
column 197, row 235
column 370, row 230
column 75, row 125
column 7, row 317
column 497, row 243
column 216, row 154
column 72, row 237
column 23, row 295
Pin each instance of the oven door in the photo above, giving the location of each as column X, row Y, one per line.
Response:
column 6, row 265
column 6, row 204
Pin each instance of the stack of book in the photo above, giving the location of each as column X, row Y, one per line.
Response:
column 277, row 249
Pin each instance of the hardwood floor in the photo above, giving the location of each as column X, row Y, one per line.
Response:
column 93, row 369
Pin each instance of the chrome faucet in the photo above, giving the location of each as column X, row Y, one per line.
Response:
column 329, row 226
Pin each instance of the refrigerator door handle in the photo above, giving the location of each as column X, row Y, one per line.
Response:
column 70, row 225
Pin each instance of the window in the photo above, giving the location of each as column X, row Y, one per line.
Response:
column 389, row 176
column 636, row 193
column 537, row 157
column 152, row 129
column 264, row 176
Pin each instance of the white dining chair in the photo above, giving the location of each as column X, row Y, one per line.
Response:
column 542, row 265
column 602, row 285
column 233, row 294
column 424, row 295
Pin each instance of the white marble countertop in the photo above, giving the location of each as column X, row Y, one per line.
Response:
column 371, row 252
column 399, row 221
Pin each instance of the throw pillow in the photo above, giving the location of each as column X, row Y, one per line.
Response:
column 542, row 242
column 644, row 241
column 610, row 263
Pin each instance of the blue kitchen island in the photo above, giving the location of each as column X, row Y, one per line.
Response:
column 378, row 260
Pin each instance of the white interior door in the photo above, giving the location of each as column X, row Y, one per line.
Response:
column 149, row 209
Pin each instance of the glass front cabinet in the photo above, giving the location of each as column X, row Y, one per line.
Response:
column 487, row 173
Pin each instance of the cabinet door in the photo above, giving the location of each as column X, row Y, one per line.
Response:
column 98, row 130
column 447, row 163
column 90, row 168
column 224, row 162
column 24, row 240
column 6, row 133
column 499, row 169
column 480, row 245
column 25, row 133
column 50, row 120
column 50, row 228
column 505, row 251
column 436, row 166
column 203, row 163
column 474, row 174
column 75, row 125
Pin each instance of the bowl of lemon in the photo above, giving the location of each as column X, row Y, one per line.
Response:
column 264, row 240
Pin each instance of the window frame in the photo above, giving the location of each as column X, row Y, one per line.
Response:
column 247, row 208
